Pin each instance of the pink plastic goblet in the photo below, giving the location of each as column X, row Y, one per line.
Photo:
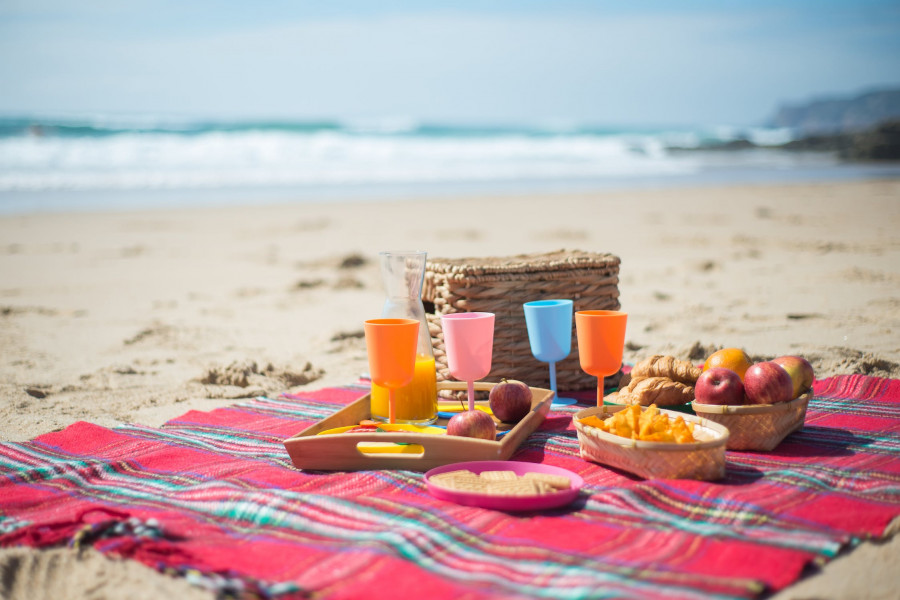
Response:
column 469, row 342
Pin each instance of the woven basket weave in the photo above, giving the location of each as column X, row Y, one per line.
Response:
column 500, row 285
column 700, row 460
column 759, row 426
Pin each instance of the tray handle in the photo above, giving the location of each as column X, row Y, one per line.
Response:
column 341, row 452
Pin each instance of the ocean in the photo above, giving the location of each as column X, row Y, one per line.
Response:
column 114, row 162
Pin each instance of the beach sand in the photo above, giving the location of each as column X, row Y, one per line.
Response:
column 139, row 317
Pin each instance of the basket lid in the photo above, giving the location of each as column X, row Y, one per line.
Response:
column 523, row 263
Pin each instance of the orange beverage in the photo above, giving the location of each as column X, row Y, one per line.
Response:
column 413, row 403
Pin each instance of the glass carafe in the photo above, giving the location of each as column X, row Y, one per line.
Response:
column 403, row 274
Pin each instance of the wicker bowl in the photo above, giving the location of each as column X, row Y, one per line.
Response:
column 757, row 426
column 704, row 459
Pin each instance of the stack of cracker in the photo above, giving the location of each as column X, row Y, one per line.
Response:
column 501, row 483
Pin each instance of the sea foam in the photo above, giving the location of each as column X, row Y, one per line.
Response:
column 92, row 153
column 130, row 159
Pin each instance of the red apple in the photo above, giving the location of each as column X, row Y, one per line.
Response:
column 801, row 372
column 719, row 386
column 473, row 424
column 510, row 400
column 767, row 383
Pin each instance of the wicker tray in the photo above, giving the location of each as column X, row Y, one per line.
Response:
column 340, row 453
column 501, row 285
column 701, row 460
column 758, row 426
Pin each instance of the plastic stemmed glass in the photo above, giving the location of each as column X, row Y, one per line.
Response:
column 601, row 342
column 549, row 324
column 391, row 345
column 469, row 343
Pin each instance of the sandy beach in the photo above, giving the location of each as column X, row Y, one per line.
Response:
column 138, row 317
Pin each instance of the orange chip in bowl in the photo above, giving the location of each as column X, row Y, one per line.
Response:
column 594, row 421
column 647, row 424
column 682, row 433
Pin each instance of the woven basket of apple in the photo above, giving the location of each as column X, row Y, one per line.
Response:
column 760, row 403
column 652, row 443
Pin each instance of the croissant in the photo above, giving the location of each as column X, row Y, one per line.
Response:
column 666, row 366
column 661, row 391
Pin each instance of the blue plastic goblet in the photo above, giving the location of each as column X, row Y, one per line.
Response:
column 549, row 325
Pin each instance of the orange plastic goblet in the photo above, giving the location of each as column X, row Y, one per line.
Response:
column 391, row 344
column 601, row 342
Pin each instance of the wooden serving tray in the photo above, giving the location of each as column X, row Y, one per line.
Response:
column 339, row 452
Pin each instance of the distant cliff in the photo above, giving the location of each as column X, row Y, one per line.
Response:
column 840, row 115
column 879, row 143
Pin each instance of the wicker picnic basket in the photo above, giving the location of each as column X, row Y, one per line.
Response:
column 501, row 285
column 757, row 426
column 700, row 460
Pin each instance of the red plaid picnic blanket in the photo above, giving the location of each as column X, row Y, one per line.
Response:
column 214, row 495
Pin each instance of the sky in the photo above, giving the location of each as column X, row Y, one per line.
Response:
column 650, row 62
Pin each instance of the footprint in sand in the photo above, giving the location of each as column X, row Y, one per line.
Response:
column 154, row 331
column 353, row 261
column 245, row 378
column 308, row 284
column 348, row 283
column 344, row 341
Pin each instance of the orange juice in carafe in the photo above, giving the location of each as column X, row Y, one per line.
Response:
column 403, row 273
column 413, row 403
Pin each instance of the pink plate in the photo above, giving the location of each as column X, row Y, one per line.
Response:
column 537, row 502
